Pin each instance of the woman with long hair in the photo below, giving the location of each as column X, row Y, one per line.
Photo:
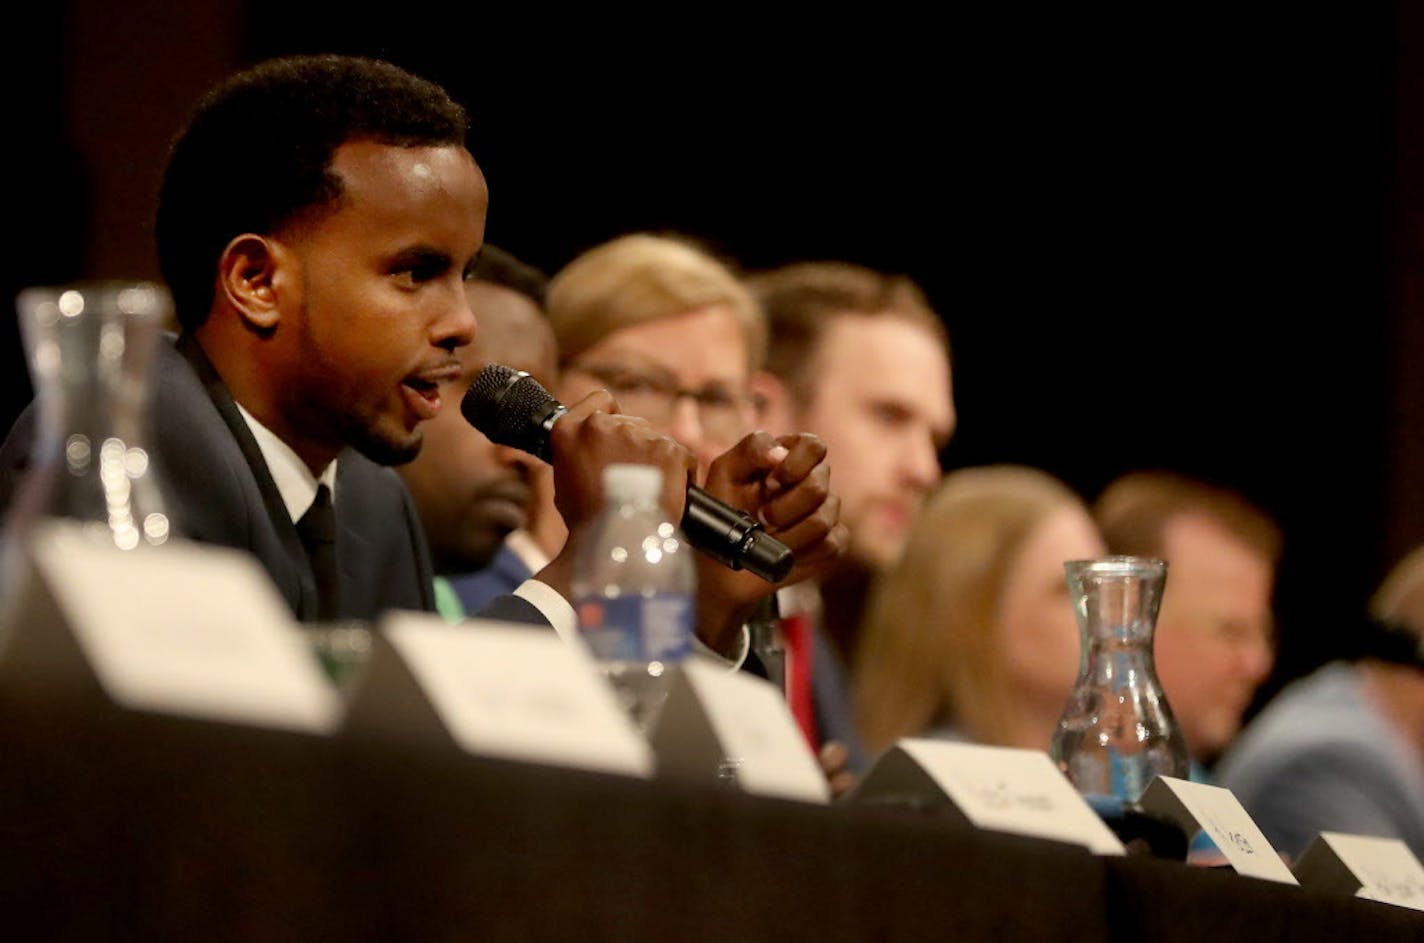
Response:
column 971, row 635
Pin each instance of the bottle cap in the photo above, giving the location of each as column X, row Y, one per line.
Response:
column 628, row 484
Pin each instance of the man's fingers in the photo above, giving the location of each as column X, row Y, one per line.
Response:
column 748, row 461
column 804, row 452
column 811, row 555
column 805, row 497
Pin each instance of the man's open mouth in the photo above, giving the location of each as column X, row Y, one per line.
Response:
column 425, row 388
column 423, row 396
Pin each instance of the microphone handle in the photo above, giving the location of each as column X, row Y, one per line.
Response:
column 733, row 537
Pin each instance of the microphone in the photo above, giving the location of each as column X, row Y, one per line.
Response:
column 511, row 408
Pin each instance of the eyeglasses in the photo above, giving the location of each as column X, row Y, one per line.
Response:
column 654, row 396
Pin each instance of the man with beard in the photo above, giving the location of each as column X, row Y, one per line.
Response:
column 315, row 220
column 858, row 358
column 487, row 509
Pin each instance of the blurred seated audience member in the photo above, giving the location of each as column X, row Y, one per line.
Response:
column 971, row 635
column 666, row 328
column 488, row 509
column 674, row 335
column 1343, row 749
column 859, row 358
column 1215, row 639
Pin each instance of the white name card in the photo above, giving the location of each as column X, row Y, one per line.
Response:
column 737, row 727
column 999, row 788
column 1200, row 807
column 184, row 628
column 495, row 689
column 1382, row 869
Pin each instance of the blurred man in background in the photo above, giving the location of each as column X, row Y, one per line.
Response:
column 858, row 358
column 1215, row 639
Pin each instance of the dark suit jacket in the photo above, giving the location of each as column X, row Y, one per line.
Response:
column 218, row 490
column 832, row 700
column 504, row 574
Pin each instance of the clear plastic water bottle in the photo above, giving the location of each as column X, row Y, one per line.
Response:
column 634, row 587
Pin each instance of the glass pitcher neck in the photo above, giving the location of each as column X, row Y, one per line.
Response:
column 1116, row 598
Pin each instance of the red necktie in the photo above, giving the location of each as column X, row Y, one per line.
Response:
column 796, row 630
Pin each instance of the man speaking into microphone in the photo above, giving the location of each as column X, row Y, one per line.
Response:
column 316, row 223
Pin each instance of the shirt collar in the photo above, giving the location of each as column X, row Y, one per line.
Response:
column 803, row 597
column 521, row 543
column 295, row 482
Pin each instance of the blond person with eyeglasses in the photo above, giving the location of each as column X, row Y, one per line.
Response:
column 667, row 329
column 670, row 331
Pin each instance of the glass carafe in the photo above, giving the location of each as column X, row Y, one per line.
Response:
column 1117, row 731
column 90, row 348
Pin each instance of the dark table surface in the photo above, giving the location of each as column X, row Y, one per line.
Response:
column 126, row 826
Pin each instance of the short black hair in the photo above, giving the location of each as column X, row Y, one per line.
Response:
column 257, row 154
column 500, row 267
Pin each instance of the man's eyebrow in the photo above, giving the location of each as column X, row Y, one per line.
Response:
column 642, row 369
column 427, row 257
column 902, row 410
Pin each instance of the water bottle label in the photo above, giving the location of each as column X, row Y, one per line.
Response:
column 638, row 628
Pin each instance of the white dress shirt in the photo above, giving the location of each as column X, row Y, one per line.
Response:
column 295, row 481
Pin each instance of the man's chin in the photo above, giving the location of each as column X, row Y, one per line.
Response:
column 386, row 449
column 1207, row 745
column 876, row 553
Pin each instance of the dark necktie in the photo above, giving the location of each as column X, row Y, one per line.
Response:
column 317, row 528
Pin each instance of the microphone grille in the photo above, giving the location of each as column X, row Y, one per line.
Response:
column 508, row 406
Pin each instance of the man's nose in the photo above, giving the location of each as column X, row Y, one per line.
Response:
column 457, row 327
column 684, row 424
column 1257, row 657
column 921, row 461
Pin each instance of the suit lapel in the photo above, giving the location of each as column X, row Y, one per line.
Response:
column 355, row 553
column 299, row 575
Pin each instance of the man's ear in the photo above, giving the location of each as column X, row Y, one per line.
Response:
column 249, row 278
